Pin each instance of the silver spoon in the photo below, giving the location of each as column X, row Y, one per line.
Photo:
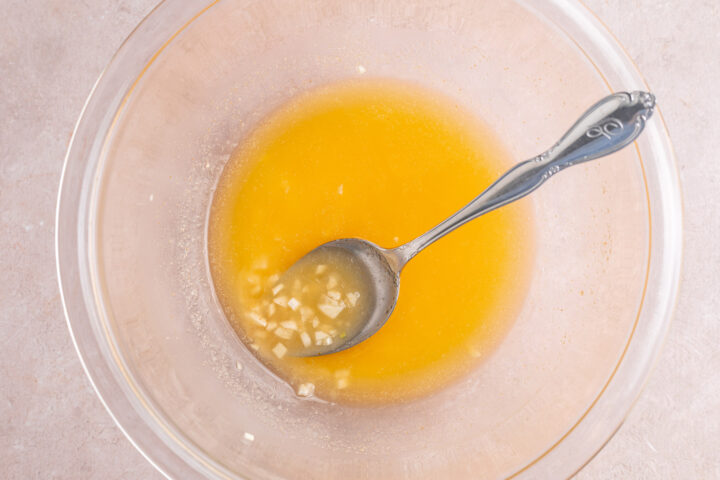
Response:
column 609, row 125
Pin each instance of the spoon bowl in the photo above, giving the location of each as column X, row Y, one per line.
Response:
column 379, row 270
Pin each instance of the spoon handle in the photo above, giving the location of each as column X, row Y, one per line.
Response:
column 608, row 126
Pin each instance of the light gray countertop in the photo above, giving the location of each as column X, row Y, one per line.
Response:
column 51, row 423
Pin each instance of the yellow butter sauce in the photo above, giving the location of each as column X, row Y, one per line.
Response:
column 385, row 161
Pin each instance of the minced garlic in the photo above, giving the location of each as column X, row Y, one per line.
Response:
column 303, row 310
column 307, row 310
column 279, row 350
column 306, row 389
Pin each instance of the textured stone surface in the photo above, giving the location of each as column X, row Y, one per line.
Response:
column 51, row 423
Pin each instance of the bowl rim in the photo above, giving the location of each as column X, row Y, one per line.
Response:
column 158, row 443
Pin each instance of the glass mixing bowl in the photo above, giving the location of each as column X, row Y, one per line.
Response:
column 184, row 90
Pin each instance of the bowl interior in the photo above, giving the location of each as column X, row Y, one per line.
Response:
column 165, row 336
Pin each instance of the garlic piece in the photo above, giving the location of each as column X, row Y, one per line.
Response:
column 281, row 300
column 289, row 324
column 352, row 298
column 293, row 303
column 283, row 333
column 260, row 264
column 257, row 319
column 322, row 338
column 331, row 309
column 279, row 350
column 306, row 389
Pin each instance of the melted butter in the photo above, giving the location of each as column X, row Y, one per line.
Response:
column 384, row 161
